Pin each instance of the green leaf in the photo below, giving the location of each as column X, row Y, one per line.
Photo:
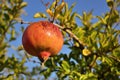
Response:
column 6, row 16
column 102, row 19
column 79, row 31
column 65, row 66
column 71, row 8
column 78, row 16
column 72, row 18
column 3, row 46
column 60, row 7
column 66, row 10
column 40, row 15
column 116, row 53
column 88, row 76
column 20, row 48
column 2, row 60
column 110, row 3
column 94, row 35
column 23, row 4
column 107, row 60
column 52, row 5
column 76, row 73
column 1, row 31
column 12, row 35
column 96, row 25
column 22, row 29
column 51, row 14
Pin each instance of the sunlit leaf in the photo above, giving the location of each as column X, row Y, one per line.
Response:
column 65, row 66
column 71, row 8
column 50, row 12
column 116, row 53
column 102, row 20
column 107, row 60
column 12, row 35
column 53, row 5
column 40, row 15
column 23, row 4
column 72, row 18
column 60, row 7
column 20, row 48
column 90, row 76
column 110, row 3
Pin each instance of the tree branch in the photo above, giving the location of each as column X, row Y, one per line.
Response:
column 110, row 56
column 72, row 34
column 113, row 57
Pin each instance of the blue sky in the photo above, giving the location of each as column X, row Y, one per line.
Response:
column 98, row 7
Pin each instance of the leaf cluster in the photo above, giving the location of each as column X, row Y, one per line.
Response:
column 10, row 67
column 99, row 37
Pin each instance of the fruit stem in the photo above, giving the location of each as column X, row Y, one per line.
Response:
column 43, row 64
column 43, row 57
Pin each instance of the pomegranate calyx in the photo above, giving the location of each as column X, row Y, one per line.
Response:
column 43, row 56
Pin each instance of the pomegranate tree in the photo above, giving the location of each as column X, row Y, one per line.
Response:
column 42, row 39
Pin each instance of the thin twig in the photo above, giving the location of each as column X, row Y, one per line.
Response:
column 27, row 57
column 23, row 22
column 43, row 3
column 113, row 57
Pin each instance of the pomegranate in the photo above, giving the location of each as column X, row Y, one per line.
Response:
column 42, row 39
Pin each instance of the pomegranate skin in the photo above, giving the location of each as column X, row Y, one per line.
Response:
column 41, row 38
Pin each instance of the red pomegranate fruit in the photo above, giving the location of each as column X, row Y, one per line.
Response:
column 42, row 39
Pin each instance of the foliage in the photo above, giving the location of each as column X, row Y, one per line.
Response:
column 93, row 51
column 10, row 11
column 100, row 39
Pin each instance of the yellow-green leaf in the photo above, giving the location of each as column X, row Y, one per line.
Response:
column 40, row 15
column 50, row 12
column 23, row 4
column 110, row 3
column 60, row 7
column 102, row 19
